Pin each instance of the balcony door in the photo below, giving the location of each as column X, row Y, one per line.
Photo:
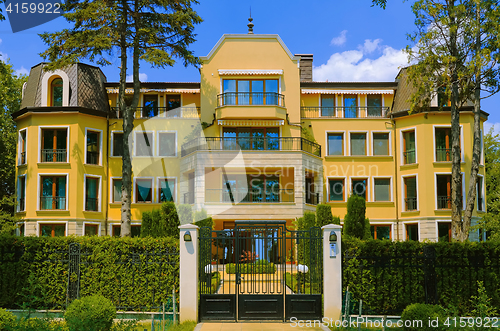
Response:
column 256, row 139
column 350, row 106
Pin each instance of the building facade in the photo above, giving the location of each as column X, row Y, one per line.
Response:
column 255, row 139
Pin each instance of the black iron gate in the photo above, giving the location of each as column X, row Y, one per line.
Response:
column 260, row 271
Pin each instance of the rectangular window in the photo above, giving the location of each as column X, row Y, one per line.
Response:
column 53, row 192
column 52, row 230
column 251, row 138
column 410, row 193
column 358, row 143
column 22, row 147
column 360, row 187
column 91, row 194
column 381, row 144
column 409, row 154
column 382, row 189
column 411, row 232
column 350, row 106
column 144, row 143
column 479, row 193
column 444, row 231
column 328, row 106
column 117, row 190
column 135, row 231
column 374, row 102
column 336, row 187
column 443, row 144
column 91, row 229
column 54, row 144
column 117, row 144
column 335, row 144
column 381, row 232
column 166, row 141
column 443, row 191
column 143, row 191
column 166, row 190
column 150, row 108
column 22, row 193
column 93, row 147
column 250, row 92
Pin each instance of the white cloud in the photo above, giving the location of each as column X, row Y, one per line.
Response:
column 340, row 40
column 489, row 125
column 142, row 77
column 22, row 71
column 354, row 65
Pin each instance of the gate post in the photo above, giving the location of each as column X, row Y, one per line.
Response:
column 332, row 273
column 188, row 291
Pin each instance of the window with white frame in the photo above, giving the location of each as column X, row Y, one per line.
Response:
column 117, row 190
column 381, row 143
column 382, row 189
column 53, row 192
column 21, row 188
column 166, row 190
column 144, row 143
column 358, row 143
column 167, row 144
column 92, row 193
column 93, row 147
column 335, row 143
column 117, row 144
column 143, row 190
column 22, row 146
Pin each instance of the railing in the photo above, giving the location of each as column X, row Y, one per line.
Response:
column 54, row 155
column 251, row 144
column 410, row 204
column 162, row 112
column 409, row 157
column 92, row 157
column 444, row 202
column 189, row 198
column 21, row 204
column 344, row 112
column 250, row 98
column 443, row 154
column 23, row 158
column 91, row 204
column 312, row 198
column 251, row 195
column 51, row 203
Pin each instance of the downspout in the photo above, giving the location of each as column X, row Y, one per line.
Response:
column 107, row 176
column 396, row 199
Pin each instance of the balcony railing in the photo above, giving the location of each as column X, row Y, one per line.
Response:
column 250, row 98
column 91, row 204
column 312, row 198
column 443, row 154
column 444, row 202
column 251, row 144
column 21, row 205
column 23, row 158
column 410, row 204
column 54, row 155
column 251, row 195
column 92, row 157
column 162, row 112
column 50, row 203
column 344, row 112
column 409, row 156
column 189, row 198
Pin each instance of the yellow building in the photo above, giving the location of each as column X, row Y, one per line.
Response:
column 255, row 139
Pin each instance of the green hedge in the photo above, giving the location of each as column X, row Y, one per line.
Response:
column 133, row 273
column 388, row 276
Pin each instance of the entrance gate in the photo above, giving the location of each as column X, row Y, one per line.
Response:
column 260, row 271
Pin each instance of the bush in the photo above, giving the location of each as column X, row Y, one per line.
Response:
column 6, row 318
column 162, row 222
column 200, row 215
column 323, row 215
column 185, row 212
column 355, row 223
column 336, row 220
column 170, row 220
column 92, row 313
column 425, row 313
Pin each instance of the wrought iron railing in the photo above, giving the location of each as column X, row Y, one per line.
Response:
column 162, row 112
column 189, row 197
column 54, row 155
column 410, row 204
column 51, row 203
column 23, row 158
column 250, row 98
column 251, row 144
column 344, row 112
column 251, row 195
column 91, row 204
column 409, row 156
column 444, row 202
column 92, row 157
column 443, row 154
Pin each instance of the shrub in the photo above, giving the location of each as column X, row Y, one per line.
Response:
column 92, row 313
column 425, row 313
column 201, row 219
column 323, row 215
column 6, row 318
column 185, row 212
column 336, row 220
column 169, row 224
column 146, row 224
column 200, row 215
column 355, row 223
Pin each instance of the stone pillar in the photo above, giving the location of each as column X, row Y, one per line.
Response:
column 188, row 295
column 332, row 274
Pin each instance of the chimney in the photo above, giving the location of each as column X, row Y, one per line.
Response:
column 305, row 66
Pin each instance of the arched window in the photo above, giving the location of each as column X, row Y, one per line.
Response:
column 56, row 92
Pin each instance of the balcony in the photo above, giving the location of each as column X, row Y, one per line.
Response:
column 92, row 157
column 344, row 112
column 251, row 144
column 91, row 204
column 54, row 155
column 250, row 99
column 252, row 195
column 443, row 154
column 53, row 203
column 444, row 202
column 162, row 112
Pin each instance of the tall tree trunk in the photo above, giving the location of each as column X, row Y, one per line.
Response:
column 476, row 146
column 128, row 117
column 456, row 175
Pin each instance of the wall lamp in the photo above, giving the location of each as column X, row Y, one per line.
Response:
column 187, row 237
column 333, row 244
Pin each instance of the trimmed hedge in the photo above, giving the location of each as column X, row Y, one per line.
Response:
column 163, row 222
column 92, row 313
column 132, row 272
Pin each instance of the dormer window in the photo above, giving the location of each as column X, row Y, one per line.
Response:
column 56, row 92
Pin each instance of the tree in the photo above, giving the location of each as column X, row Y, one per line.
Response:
column 154, row 31
column 355, row 222
column 457, row 54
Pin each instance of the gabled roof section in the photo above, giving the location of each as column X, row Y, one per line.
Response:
column 249, row 36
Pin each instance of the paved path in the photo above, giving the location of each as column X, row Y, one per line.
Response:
column 251, row 326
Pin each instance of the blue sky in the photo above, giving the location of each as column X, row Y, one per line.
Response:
column 350, row 40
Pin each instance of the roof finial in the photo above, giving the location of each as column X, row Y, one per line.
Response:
column 250, row 25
